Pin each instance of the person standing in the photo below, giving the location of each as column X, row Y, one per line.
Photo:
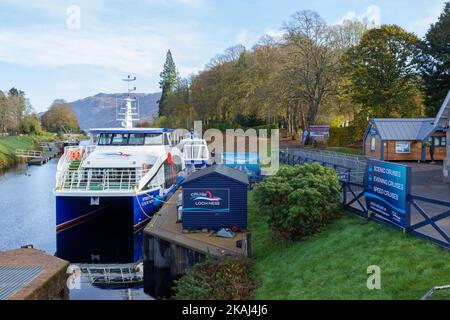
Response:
column 432, row 151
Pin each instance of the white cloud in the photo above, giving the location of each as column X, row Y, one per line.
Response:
column 420, row 26
column 371, row 16
column 242, row 37
column 275, row 33
column 139, row 53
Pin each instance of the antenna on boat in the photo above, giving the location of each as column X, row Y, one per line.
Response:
column 129, row 112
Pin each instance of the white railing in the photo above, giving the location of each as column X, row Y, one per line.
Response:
column 23, row 153
column 114, row 179
column 66, row 158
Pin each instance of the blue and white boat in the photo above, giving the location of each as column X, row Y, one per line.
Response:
column 108, row 190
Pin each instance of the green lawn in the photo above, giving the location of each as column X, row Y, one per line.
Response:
column 345, row 150
column 333, row 264
column 8, row 145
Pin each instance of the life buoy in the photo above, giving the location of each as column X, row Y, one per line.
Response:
column 75, row 155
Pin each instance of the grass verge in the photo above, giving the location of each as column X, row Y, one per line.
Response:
column 333, row 264
column 8, row 145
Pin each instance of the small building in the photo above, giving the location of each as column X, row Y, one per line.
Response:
column 404, row 139
column 214, row 198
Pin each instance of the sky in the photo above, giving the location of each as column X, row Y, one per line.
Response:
column 59, row 49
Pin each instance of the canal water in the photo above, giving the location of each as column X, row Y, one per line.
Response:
column 27, row 216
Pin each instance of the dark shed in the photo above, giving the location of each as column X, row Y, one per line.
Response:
column 215, row 197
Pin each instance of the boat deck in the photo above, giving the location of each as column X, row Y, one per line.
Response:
column 164, row 226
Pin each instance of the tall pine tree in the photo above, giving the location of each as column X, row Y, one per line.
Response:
column 436, row 73
column 167, row 83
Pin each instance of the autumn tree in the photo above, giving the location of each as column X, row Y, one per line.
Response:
column 60, row 115
column 312, row 64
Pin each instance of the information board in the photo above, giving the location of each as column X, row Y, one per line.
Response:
column 386, row 187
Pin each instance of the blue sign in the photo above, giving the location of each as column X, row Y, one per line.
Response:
column 212, row 200
column 386, row 187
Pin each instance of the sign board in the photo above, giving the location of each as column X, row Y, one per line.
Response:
column 213, row 200
column 386, row 187
column 402, row 147
column 319, row 131
column 344, row 176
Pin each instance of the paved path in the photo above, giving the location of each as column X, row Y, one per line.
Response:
column 427, row 180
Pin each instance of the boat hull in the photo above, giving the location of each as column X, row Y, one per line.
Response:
column 103, row 229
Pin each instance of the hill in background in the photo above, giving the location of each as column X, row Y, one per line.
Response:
column 100, row 110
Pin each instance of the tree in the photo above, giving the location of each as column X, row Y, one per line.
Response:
column 436, row 66
column 312, row 63
column 3, row 112
column 31, row 124
column 384, row 73
column 15, row 110
column 60, row 115
column 167, row 83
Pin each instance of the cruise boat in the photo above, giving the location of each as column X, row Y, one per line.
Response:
column 107, row 190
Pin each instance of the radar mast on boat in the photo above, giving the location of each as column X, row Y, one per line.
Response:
column 130, row 111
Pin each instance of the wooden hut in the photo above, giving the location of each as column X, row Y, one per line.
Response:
column 404, row 139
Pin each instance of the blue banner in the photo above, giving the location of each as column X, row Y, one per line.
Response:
column 212, row 200
column 386, row 188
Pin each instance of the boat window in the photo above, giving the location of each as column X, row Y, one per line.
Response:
column 105, row 139
column 153, row 139
column 119, row 139
column 136, row 139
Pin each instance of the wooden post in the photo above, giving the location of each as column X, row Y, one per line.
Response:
column 248, row 245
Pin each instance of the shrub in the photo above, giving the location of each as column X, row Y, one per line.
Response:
column 224, row 278
column 299, row 200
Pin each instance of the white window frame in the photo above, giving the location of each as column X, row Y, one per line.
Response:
column 373, row 144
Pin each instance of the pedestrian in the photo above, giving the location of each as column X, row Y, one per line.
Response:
column 432, row 151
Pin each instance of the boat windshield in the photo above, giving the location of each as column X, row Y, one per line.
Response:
column 131, row 139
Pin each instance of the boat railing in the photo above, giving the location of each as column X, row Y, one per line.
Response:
column 74, row 153
column 68, row 158
column 196, row 152
column 93, row 179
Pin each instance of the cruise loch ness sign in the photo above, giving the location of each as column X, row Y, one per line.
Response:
column 386, row 187
column 212, row 200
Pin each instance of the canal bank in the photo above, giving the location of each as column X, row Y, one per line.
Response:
column 9, row 145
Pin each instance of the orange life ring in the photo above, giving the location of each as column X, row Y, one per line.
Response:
column 75, row 155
